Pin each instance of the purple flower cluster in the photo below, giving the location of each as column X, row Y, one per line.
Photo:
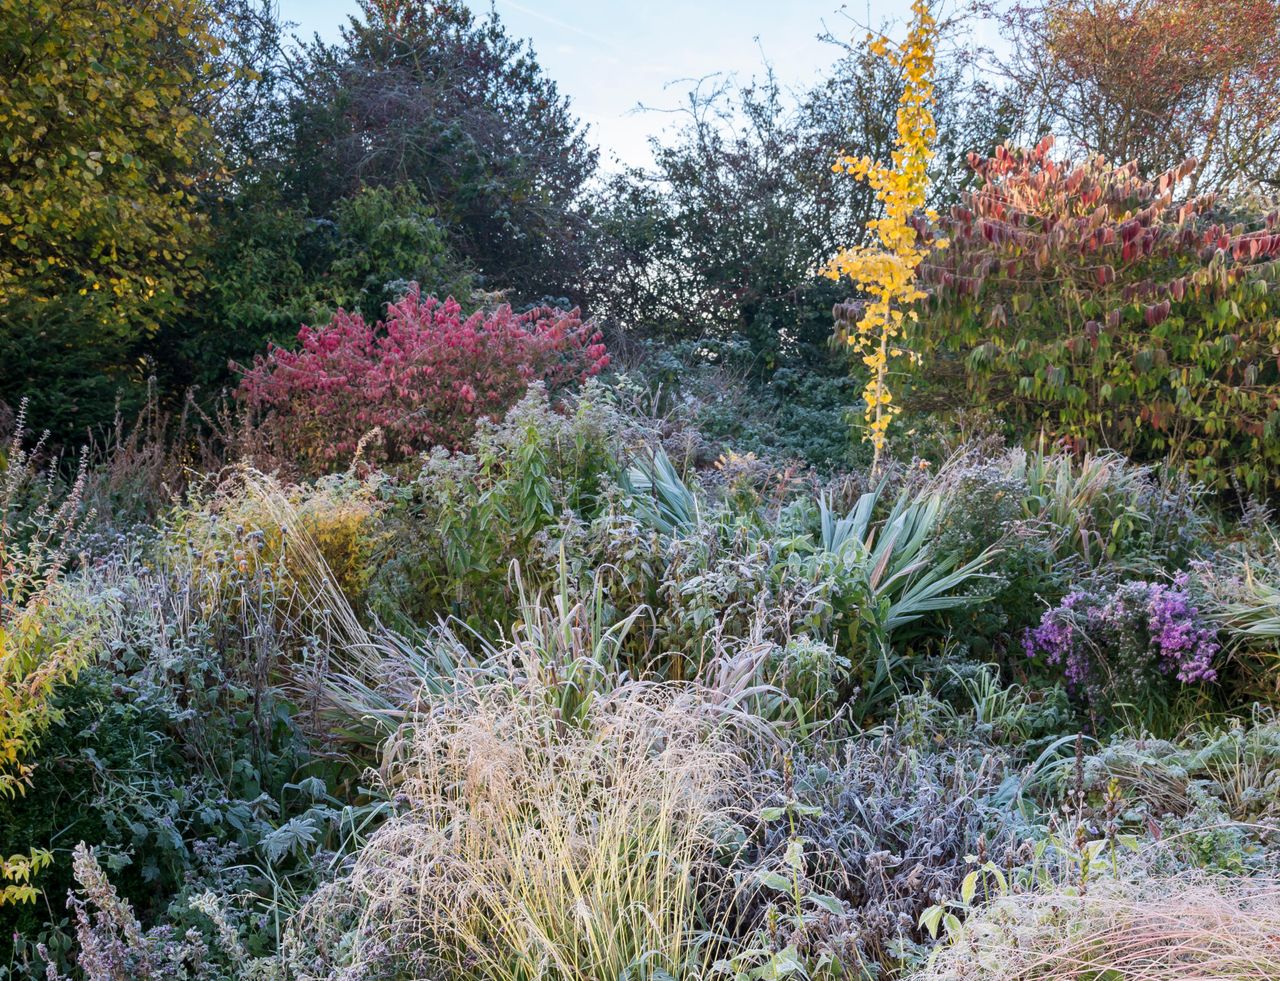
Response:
column 1185, row 645
column 1055, row 638
column 1118, row 636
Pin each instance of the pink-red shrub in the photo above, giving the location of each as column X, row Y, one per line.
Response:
column 424, row 376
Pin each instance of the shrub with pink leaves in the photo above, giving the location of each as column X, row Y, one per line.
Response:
column 424, row 376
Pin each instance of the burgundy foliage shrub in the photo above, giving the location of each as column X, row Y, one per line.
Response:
column 1111, row 310
column 424, row 376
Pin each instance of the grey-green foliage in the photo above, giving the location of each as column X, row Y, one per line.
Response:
column 1106, row 510
column 1240, row 586
column 903, row 574
column 890, row 823
column 906, row 575
column 459, row 526
column 662, row 498
column 1212, row 797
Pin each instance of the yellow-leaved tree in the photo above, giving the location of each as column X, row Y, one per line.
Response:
column 885, row 273
column 102, row 139
column 105, row 143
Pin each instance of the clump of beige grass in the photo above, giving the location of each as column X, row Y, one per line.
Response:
column 1180, row 928
column 528, row 846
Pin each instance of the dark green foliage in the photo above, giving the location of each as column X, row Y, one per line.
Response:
column 709, row 393
column 430, row 94
column 987, row 504
column 795, row 416
column 71, row 374
column 723, row 238
column 384, row 238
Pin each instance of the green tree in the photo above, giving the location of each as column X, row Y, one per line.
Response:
column 725, row 235
column 428, row 94
column 722, row 238
column 272, row 268
column 104, row 143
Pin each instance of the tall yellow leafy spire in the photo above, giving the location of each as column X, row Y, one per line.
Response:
column 886, row 272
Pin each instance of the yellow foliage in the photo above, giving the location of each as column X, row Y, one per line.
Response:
column 249, row 529
column 37, row 656
column 103, row 138
column 345, row 530
column 43, row 645
column 16, row 873
column 887, row 273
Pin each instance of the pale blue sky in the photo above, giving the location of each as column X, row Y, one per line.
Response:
column 609, row 55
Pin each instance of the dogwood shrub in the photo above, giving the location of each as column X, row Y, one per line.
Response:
column 424, row 376
column 1111, row 310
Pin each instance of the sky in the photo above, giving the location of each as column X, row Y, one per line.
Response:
column 609, row 56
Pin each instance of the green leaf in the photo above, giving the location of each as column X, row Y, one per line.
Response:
column 773, row 880
column 828, row 903
column 969, row 887
column 794, row 856
column 930, row 920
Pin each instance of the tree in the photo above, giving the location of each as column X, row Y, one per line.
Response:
column 104, row 141
column 1154, row 82
column 425, row 93
column 271, row 268
column 886, row 271
column 726, row 234
column 722, row 237
column 270, row 262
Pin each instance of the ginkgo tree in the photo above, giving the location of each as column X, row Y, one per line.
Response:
column 885, row 273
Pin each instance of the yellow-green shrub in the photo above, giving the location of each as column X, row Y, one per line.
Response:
column 311, row 547
column 37, row 654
